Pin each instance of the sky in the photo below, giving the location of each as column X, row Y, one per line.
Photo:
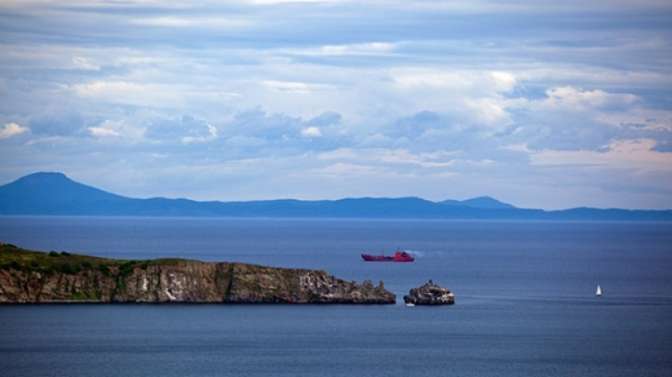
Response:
column 544, row 104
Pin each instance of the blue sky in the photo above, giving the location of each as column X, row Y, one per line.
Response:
column 539, row 103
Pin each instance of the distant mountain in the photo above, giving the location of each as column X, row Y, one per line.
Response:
column 53, row 193
column 484, row 202
column 56, row 194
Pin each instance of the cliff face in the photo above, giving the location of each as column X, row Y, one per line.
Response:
column 34, row 277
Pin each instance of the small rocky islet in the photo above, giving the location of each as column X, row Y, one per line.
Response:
column 37, row 277
column 430, row 293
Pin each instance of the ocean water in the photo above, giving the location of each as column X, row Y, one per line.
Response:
column 524, row 292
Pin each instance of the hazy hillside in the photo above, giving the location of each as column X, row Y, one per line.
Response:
column 56, row 194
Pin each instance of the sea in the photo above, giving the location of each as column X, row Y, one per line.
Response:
column 525, row 301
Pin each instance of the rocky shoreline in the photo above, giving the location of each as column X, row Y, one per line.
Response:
column 31, row 277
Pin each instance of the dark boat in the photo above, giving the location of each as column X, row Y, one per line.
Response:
column 399, row 256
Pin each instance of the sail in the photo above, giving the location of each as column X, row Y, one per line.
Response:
column 598, row 291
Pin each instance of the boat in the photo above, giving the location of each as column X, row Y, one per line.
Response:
column 399, row 256
column 410, row 304
column 598, row 291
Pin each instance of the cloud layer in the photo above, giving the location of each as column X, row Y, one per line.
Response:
column 538, row 103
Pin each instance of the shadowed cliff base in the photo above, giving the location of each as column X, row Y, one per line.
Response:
column 31, row 277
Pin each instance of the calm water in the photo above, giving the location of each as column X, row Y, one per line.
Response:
column 525, row 304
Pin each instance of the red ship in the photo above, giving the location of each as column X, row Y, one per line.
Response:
column 399, row 256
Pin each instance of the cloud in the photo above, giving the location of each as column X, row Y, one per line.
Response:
column 326, row 119
column 185, row 129
column 276, row 2
column 471, row 81
column 418, row 124
column 286, row 131
column 84, row 63
column 211, row 135
column 578, row 99
column 477, row 99
column 117, row 129
column 569, row 118
column 390, row 157
column 369, row 48
column 12, row 129
column 125, row 92
column 58, row 122
column 103, row 132
column 192, row 22
column 293, row 87
column 341, row 169
column 149, row 94
column 311, row 132
column 638, row 153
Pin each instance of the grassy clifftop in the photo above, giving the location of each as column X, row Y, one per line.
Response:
column 37, row 277
column 53, row 262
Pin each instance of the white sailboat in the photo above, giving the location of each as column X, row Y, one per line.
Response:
column 598, row 291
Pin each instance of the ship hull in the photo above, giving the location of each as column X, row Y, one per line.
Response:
column 398, row 257
column 377, row 258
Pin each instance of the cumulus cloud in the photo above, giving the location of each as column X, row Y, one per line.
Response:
column 474, row 98
column 283, row 131
column 569, row 118
column 185, row 129
column 12, row 129
column 311, row 132
column 113, row 129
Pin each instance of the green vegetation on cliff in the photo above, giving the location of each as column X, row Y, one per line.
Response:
column 36, row 277
column 13, row 257
column 53, row 262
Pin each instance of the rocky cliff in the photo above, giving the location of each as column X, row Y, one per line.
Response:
column 36, row 277
column 430, row 294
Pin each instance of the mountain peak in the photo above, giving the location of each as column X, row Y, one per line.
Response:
column 485, row 197
column 486, row 202
column 51, row 193
column 482, row 202
column 44, row 176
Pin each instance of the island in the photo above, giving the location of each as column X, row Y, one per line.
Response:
column 31, row 277
column 429, row 293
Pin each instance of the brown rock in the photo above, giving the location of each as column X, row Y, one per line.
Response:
column 34, row 277
column 430, row 294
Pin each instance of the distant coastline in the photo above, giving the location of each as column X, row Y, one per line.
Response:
column 55, row 194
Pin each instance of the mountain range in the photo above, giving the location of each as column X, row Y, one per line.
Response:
column 56, row 194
